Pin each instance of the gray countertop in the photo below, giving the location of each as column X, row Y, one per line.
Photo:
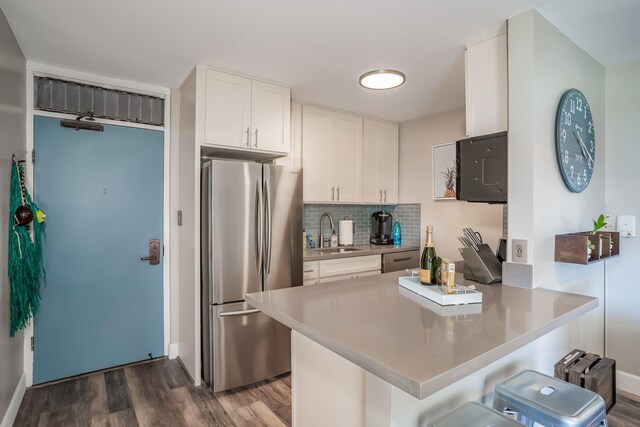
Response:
column 413, row 343
column 361, row 250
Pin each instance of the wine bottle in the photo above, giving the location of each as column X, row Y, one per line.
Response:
column 429, row 261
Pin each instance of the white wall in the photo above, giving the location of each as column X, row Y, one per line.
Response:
column 174, row 206
column 12, row 141
column 543, row 64
column 622, row 179
column 189, row 243
column 448, row 217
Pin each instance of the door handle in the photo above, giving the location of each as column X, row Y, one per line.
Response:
column 239, row 312
column 259, row 229
column 154, row 252
column 268, row 225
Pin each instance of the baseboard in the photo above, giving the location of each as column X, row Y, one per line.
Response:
column 628, row 382
column 16, row 400
column 173, row 350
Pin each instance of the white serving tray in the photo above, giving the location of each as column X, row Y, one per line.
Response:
column 461, row 310
column 434, row 293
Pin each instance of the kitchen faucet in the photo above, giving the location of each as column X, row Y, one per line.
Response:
column 322, row 241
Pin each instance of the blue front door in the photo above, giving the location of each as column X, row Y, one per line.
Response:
column 102, row 306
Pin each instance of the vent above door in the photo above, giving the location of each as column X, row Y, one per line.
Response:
column 62, row 96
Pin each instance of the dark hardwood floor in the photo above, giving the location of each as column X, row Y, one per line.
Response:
column 626, row 412
column 159, row 393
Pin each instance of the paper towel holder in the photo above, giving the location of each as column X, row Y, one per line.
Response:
column 343, row 228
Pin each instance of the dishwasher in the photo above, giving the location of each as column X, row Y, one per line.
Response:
column 397, row 261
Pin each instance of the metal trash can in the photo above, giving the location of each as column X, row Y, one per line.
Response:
column 536, row 397
column 473, row 414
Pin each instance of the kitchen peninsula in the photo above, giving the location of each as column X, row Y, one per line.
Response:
column 367, row 352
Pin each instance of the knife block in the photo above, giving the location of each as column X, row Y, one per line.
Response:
column 481, row 265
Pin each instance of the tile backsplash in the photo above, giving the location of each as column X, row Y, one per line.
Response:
column 408, row 214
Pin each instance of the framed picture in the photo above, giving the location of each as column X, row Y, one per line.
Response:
column 444, row 171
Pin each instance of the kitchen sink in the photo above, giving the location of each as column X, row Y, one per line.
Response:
column 325, row 251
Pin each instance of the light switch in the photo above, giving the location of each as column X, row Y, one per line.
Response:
column 626, row 225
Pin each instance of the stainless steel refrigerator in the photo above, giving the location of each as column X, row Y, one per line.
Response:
column 251, row 242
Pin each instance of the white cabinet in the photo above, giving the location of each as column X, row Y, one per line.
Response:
column 331, row 156
column 270, row 117
column 333, row 268
column 380, row 162
column 227, row 110
column 310, row 272
column 246, row 114
column 486, row 85
column 317, row 184
column 348, row 276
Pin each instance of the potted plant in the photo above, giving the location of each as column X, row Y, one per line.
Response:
column 598, row 224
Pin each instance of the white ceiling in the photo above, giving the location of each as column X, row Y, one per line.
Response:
column 318, row 48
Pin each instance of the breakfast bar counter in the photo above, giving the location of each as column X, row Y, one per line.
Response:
column 408, row 342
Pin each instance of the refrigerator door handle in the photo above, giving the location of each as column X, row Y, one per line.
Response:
column 267, row 225
column 259, row 231
column 239, row 312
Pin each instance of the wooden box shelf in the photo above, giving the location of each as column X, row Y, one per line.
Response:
column 590, row 371
column 572, row 247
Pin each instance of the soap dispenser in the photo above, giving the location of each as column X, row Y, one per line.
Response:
column 334, row 239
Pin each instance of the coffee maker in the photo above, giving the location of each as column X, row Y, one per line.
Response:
column 381, row 223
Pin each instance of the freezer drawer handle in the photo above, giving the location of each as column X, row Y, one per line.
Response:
column 239, row 312
column 402, row 259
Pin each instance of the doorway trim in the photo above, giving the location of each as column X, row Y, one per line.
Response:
column 35, row 68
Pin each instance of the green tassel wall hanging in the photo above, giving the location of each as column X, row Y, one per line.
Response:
column 25, row 253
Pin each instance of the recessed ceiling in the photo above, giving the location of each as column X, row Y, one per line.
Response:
column 318, row 48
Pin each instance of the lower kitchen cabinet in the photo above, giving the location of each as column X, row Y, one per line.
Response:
column 348, row 276
column 351, row 265
column 310, row 272
column 332, row 270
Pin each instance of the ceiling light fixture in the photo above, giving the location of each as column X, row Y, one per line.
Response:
column 382, row 79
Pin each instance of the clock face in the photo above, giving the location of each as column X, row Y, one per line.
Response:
column 575, row 140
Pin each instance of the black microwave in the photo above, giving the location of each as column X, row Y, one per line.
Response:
column 481, row 168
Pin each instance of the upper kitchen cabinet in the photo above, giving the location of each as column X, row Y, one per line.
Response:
column 331, row 156
column 227, row 110
column 380, row 162
column 270, row 117
column 486, row 85
column 246, row 115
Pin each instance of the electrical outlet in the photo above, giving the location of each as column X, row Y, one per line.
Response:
column 519, row 251
column 609, row 219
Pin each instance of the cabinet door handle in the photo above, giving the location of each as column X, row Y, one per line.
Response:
column 380, row 196
column 256, row 144
column 333, row 193
column 308, row 271
column 385, row 196
column 248, row 137
column 401, row 259
column 338, row 193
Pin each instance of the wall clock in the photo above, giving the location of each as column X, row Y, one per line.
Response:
column 575, row 140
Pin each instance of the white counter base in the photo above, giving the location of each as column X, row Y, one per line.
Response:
column 329, row 390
